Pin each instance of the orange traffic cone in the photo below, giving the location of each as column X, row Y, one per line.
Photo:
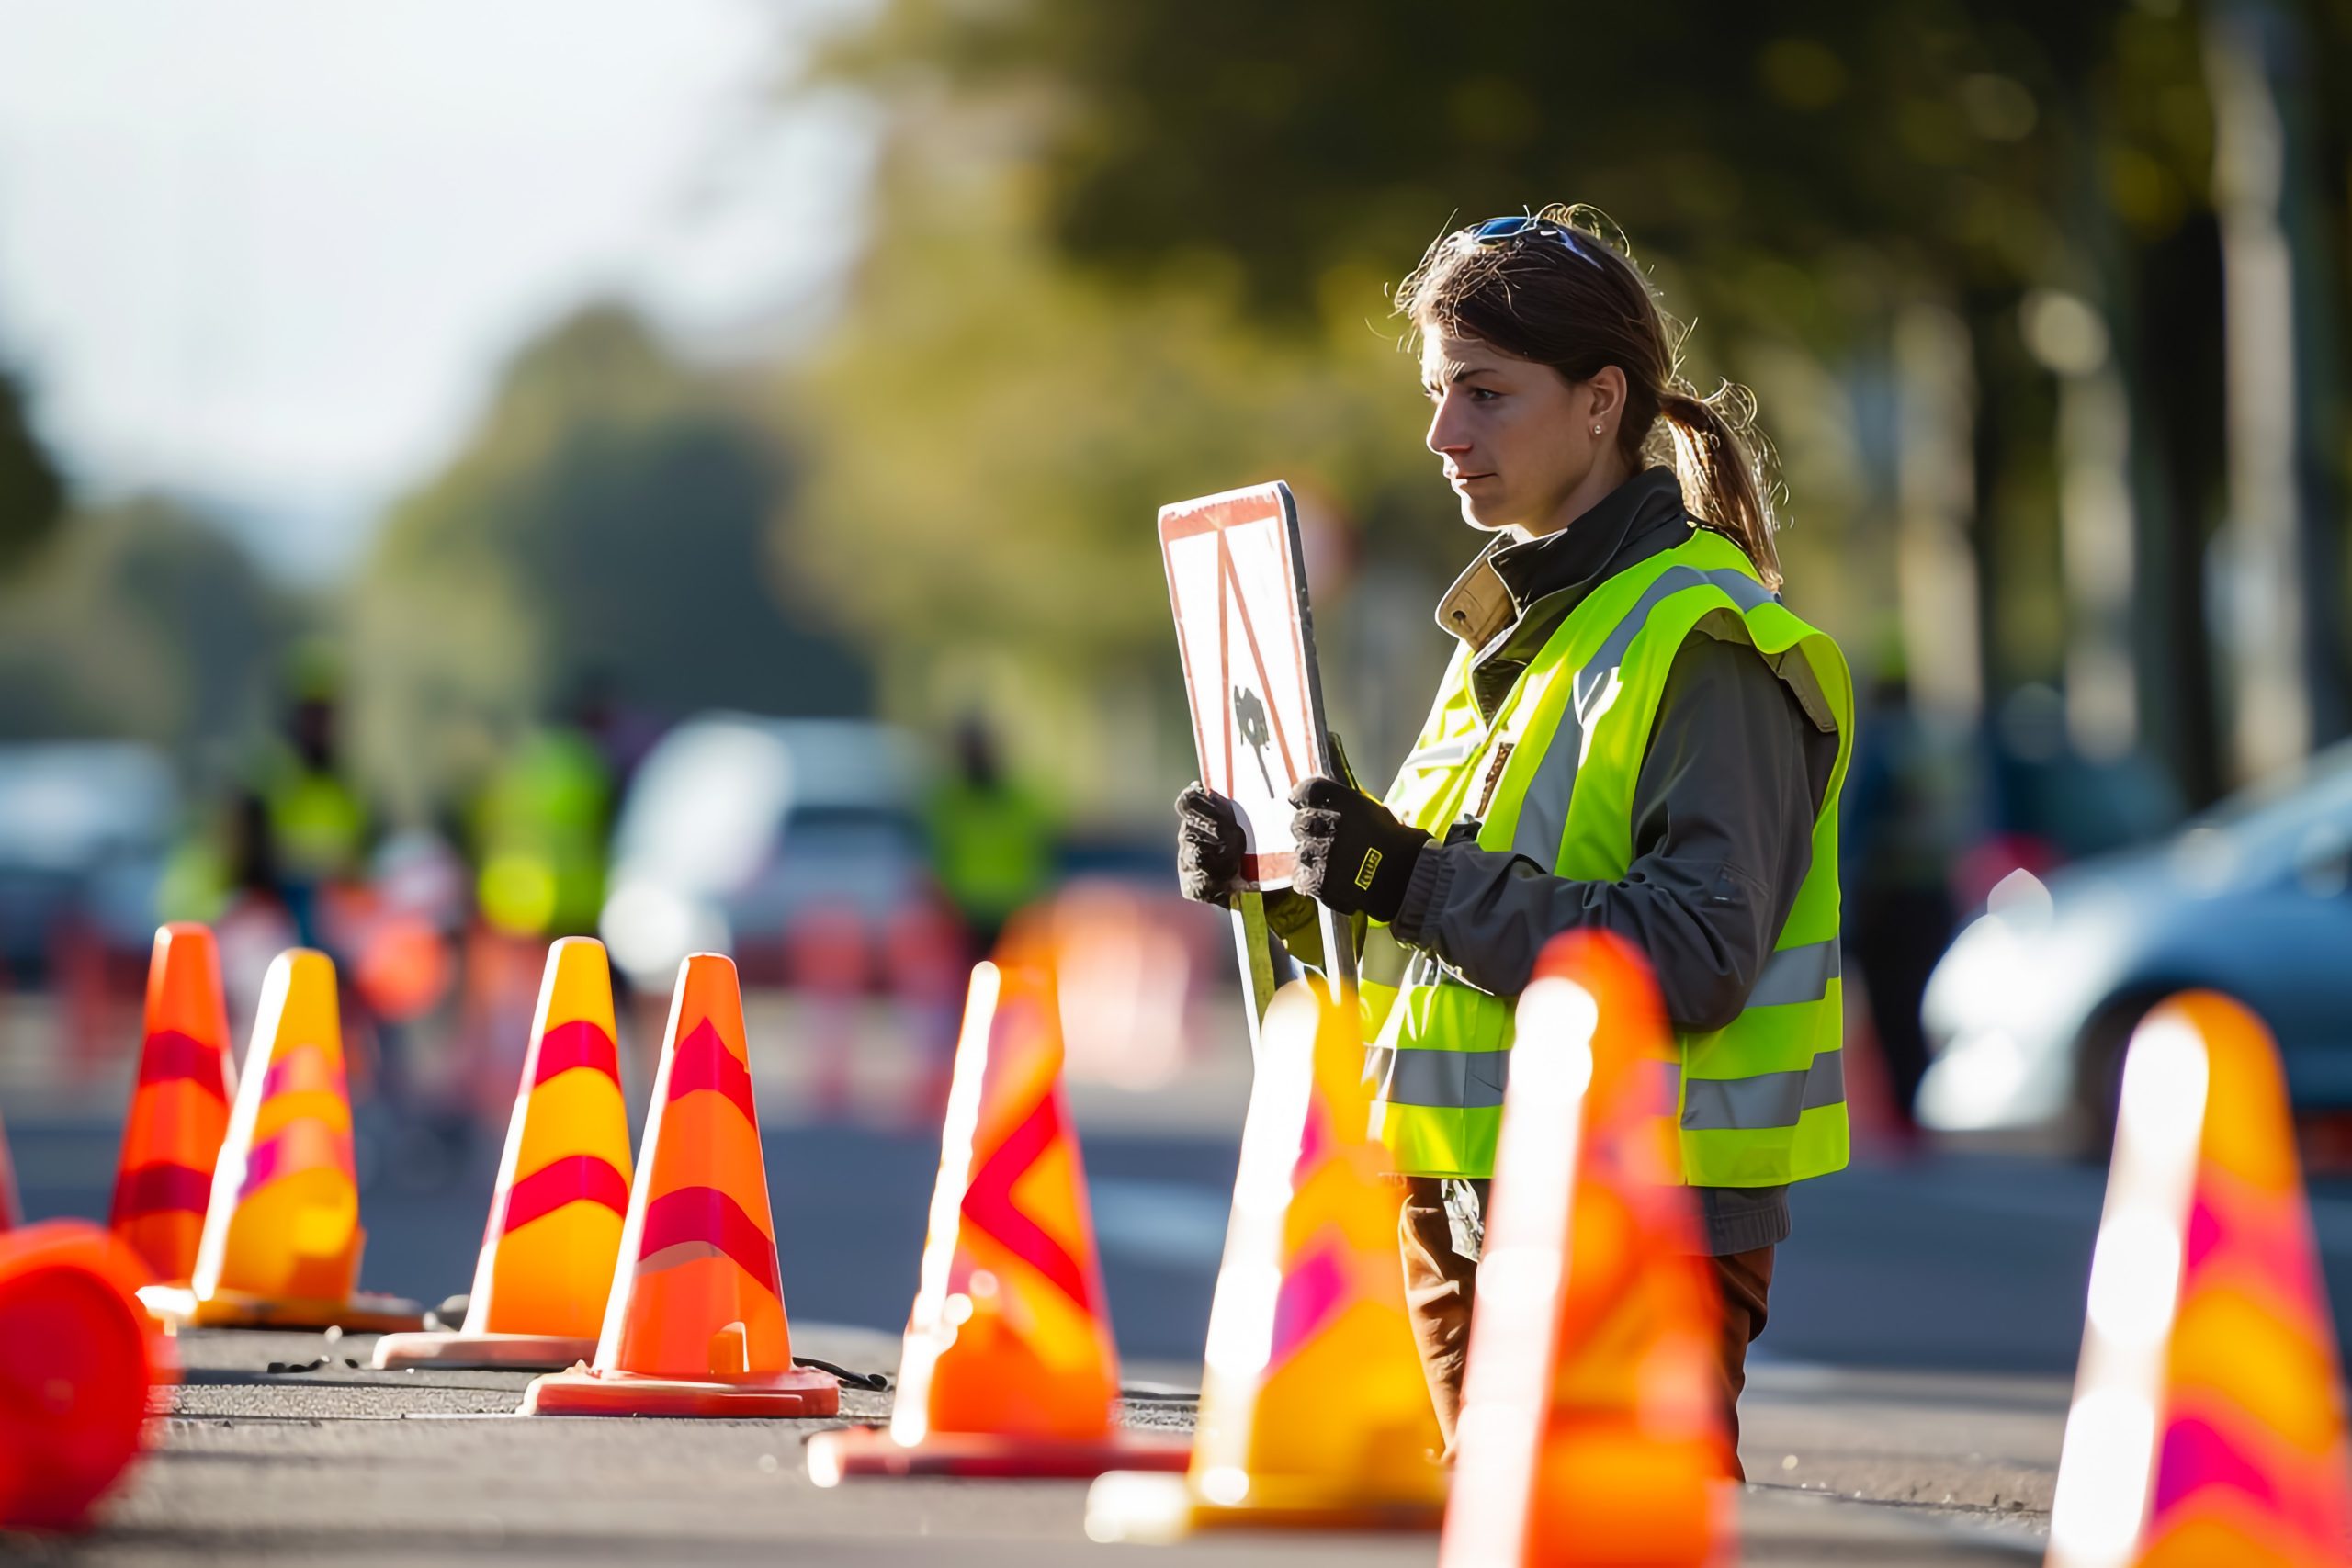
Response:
column 1010, row 1368
column 1591, row 1432
column 1314, row 1408
column 78, row 1358
column 696, row 1322
column 179, row 1107
column 282, row 1238
column 554, row 1235
column 2208, row 1421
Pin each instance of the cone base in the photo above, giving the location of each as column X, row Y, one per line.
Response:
column 800, row 1391
column 1140, row 1508
column 364, row 1313
column 484, row 1352
column 871, row 1450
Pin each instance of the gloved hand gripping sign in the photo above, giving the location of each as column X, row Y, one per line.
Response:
column 1238, row 587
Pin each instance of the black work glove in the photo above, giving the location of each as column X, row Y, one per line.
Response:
column 1353, row 855
column 1209, row 846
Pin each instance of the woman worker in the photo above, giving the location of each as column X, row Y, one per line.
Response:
column 1633, row 734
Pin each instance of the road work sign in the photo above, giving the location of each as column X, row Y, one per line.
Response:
column 1239, row 595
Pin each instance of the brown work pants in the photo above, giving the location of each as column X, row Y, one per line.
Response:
column 1439, row 1279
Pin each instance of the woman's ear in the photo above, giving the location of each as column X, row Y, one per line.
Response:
column 1607, row 389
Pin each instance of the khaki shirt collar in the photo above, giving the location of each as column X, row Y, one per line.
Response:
column 1481, row 608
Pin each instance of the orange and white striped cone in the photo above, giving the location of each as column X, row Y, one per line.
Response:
column 78, row 1357
column 696, row 1322
column 2208, row 1424
column 1590, row 1431
column 1314, row 1412
column 554, row 1235
column 1009, row 1367
column 282, row 1238
column 179, row 1106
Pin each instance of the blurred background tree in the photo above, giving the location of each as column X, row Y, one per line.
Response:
column 32, row 494
column 606, row 524
column 1973, row 260
column 141, row 620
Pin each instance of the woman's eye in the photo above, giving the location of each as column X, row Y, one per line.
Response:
column 1481, row 394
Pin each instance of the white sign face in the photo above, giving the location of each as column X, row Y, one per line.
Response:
column 1240, row 597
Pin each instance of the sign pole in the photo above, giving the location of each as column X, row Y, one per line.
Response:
column 1339, row 950
column 1254, row 943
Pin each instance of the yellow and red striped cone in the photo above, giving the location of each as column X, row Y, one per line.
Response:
column 696, row 1322
column 554, row 1234
column 1314, row 1412
column 282, row 1237
column 2208, row 1422
column 1590, row 1431
column 1009, row 1367
column 179, row 1106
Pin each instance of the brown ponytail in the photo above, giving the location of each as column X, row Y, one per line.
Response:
column 1722, row 474
column 1580, row 308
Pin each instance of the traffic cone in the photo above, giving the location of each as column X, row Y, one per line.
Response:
column 1314, row 1412
column 696, row 1324
column 1009, row 1367
column 179, row 1107
column 1590, row 1431
column 2208, row 1421
column 554, row 1235
column 78, row 1358
column 282, row 1237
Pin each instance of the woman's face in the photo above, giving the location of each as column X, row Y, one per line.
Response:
column 1516, row 437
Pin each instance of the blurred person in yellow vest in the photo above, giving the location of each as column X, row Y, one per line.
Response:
column 315, row 824
column 543, row 826
column 992, row 841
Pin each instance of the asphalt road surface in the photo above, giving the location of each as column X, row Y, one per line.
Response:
column 1907, row 1405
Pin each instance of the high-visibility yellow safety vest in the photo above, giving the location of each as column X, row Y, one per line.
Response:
column 1551, row 777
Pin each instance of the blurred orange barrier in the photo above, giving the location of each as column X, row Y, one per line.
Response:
column 179, row 1105
column 1009, row 1367
column 1127, row 978
column 696, row 1322
column 2208, row 1420
column 282, row 1238
column 828, row 961
column 1591, row 1432
column 1314, row 1409
column 78, row 1358
column 554, row 1234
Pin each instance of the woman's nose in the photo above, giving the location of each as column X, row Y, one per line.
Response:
column 1444, row 439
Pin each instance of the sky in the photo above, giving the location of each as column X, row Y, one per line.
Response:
column 270, row 253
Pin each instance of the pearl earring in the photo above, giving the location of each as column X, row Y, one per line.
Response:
column 1596, row 430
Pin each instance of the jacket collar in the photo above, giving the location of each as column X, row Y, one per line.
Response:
column 1494, row 595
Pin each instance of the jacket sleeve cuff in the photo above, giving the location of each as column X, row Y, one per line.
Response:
column 1424, row 895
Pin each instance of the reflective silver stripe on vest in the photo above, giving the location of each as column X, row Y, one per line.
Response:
column 1543, row 813
column 1444, row 753
column 1477, row 1080
column 1449, row 1080
column 1767, row 1100
column 1796, row 975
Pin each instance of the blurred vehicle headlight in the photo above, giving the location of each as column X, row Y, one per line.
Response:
column 649, row 928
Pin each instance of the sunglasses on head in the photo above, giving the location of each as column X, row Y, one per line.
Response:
column 1514, row 230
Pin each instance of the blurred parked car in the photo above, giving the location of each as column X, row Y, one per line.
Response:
column 83, row 830
column 2031, row 1008
column 751, row 836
